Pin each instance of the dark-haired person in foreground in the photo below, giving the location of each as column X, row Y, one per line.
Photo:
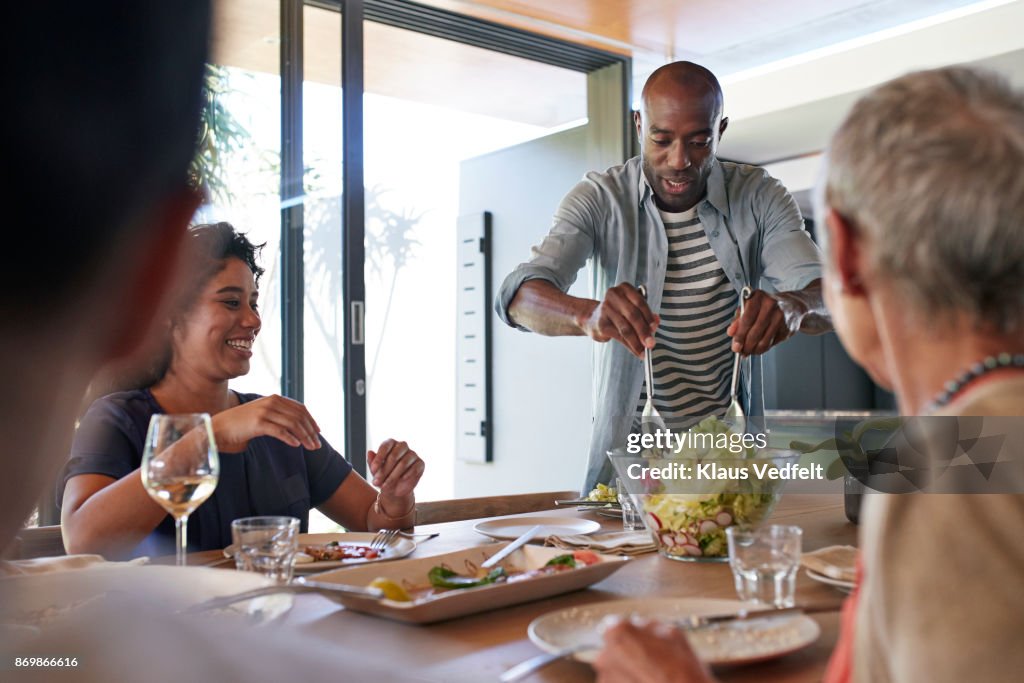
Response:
column 96, row 135
column 924, row 197
column 273, row 460
column 695, row 231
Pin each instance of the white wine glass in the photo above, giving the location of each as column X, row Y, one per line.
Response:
column 180, row 468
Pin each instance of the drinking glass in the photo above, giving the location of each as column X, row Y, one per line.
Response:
column 266, row 545
column 631, row 519
column 180, row 468
column 764, row 562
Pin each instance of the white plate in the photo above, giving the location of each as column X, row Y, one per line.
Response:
column 412, row 574
column 740, row 642
column 844, row 586
column 400, row 547
column 45, row 600
column 304, row 564
column 514, row 527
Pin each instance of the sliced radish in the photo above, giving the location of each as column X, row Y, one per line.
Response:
column 707, row 526
column 693, row 550
column 723, row 519
column 587, row 557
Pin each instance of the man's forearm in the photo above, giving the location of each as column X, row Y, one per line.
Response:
column 808, row 306
column 541, row 307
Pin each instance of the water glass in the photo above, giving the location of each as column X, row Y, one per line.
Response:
column 764, row 562
column 266, row 545
column 631, row 519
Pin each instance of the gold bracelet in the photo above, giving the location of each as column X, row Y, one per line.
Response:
column 378, row 509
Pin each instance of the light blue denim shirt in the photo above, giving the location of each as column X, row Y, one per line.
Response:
column 610, row 218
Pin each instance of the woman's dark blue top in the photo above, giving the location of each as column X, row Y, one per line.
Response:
column 268, row 478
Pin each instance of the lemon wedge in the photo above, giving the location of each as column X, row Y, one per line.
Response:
column 391, row 590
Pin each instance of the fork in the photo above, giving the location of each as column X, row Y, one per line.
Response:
column 384, row 538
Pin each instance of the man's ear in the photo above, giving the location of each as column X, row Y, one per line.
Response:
column 639, row 123
column 154, row 272
column 845, row 253
column 722, row 126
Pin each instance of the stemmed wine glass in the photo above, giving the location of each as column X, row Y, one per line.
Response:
column 180, row 468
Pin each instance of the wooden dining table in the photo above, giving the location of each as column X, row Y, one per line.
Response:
column 482, row 646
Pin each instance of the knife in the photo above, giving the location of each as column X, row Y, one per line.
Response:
column 698, row 621
column 333, row 591
column 510, row 548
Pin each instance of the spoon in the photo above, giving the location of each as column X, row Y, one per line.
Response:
column 650, row 419
column 524, row 669
column 735, row 410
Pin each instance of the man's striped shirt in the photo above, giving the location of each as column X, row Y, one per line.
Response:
column 692, row 358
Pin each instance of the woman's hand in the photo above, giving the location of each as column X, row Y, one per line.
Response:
column 395, row 469
column 648, row 651
column 276, row 416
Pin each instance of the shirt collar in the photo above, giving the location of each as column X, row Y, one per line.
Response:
column 714, row 194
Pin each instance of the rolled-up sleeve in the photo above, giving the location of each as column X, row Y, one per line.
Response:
column 106, row 442
column 791, row 259
column 563, row 252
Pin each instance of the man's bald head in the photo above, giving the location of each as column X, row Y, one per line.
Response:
column 693, row 79
column 679, row 126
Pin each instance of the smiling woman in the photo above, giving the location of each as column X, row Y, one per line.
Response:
column 273, row 459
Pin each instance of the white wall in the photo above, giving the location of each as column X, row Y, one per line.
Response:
column 541, row 385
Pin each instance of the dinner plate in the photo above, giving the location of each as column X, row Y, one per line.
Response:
column 399, row 547
column 514, row 527
column 735, row 642
column 844, row 586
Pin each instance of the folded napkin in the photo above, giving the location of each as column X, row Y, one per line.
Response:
column 613, row 542
column 835, row 561
column 43, row 565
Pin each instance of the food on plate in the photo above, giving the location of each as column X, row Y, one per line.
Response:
column 603, row 494
column 334, row 551
column 391, row 590
column 443, row 578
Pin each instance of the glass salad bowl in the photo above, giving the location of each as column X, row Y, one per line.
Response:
column 689, row 498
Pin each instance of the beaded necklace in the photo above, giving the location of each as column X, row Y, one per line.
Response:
column 971, row 374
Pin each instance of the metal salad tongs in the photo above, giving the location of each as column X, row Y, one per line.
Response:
column 735, row 411
column 650, row 419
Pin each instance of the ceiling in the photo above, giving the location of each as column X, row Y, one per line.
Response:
column 789, row 68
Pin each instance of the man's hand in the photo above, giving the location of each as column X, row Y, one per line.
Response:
column 769, row 319
column 623, row 316
column 638, row 652
column 276, row 416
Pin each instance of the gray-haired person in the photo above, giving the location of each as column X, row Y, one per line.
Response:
column 923, row 201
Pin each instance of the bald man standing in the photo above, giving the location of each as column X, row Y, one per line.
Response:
column 694, row 230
